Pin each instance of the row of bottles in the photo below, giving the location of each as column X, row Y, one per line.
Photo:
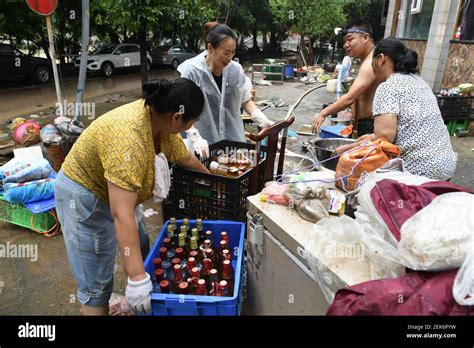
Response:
column 233, row 165
column 189, row 262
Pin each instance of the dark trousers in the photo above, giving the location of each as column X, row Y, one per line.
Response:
column 365, row 126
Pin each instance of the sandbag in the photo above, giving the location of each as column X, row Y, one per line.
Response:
column 29, row 192
column 463, row 288
column 364, row 159
column 439, row 236
column 28, row 171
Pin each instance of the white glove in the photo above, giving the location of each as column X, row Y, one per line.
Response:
column 162, row 178
column 259, row 118
column 137, row 294
column 200, row 145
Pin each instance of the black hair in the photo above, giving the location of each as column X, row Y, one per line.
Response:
column 215, row 33
column 180, row 95
column 405, row 60
column 360, row 24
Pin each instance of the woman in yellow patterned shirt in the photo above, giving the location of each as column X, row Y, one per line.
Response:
column 108, row 172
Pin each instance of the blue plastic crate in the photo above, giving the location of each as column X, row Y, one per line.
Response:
column 175, row 304
column 332, row 131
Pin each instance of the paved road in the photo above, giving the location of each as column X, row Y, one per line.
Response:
column 23, row 100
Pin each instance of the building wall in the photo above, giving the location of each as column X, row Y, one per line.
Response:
column 419, row 46
column 460, row 65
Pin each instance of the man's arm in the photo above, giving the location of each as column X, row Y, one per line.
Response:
column 362, row 83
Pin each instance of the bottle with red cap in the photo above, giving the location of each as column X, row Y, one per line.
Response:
column 225, row 236
column 183, row 288
column 228, row 275
column 165, row 287
column 221, row 288
column 213, row 279
column 177, row 279
column 157, row 263
column 206, row 269
column 167, row 243
column 158, row 276
column 163, row 253
column 197, row 256
column 193, row 280
column 179, row 253
column 226, row 255
column 201, row 288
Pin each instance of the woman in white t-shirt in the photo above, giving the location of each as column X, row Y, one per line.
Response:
column 406, row 113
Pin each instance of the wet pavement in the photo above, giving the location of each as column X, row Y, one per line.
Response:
column 22, row 99
column 45, row 286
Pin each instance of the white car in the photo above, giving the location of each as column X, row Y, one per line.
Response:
column 113, row 57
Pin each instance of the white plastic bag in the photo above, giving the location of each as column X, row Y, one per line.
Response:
column 440, row 235
column 335, row 256
column 463, row 288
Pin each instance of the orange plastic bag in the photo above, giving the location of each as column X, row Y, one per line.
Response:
column 376, row 154
column 346, row 131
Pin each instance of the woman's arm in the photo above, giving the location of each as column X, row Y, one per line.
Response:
column 122, row 205
column 249, row 106
column 384, row 126
column 191, row 162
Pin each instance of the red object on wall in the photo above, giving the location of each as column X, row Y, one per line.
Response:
column 43, row 7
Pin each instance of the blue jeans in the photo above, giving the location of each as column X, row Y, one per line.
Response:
column 89, row 234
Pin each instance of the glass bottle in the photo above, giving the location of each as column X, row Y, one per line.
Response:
column 163, row 253
column 182, row 243
column 167, row 243
column 171, row 235
column 200, row 231
column 183, row 288
column 226, row 255
column 213, row 279
column 170, row 254
column 228, row 275
column 157, row 263
column 159, row 275
column 166, row 266
column 179, row 253
column 165, row 287
column 198, row 256
column 207, row 266
column 201, row 288
column 221, row 289
column 177, row 279
column 224, row 169
column 225, row 236
column 193, row 244
column 194, row 233
column 193, row 279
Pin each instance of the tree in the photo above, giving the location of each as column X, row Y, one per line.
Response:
column 315, row 20
column 370, row 10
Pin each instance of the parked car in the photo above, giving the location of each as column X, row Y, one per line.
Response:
column 107, row 59
column 172, row 55
column 16, row 66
